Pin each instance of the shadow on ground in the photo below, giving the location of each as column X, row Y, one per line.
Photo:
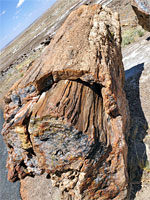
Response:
column 137, row 151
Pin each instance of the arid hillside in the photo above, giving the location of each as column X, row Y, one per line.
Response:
column 39, row 34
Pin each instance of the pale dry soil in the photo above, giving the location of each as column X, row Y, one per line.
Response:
column 38, row 188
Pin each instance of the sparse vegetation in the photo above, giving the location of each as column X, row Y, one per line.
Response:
column 147, row 166
column 131, row 35
column 140, row 33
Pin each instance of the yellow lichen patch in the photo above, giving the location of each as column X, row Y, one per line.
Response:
column 21, row 130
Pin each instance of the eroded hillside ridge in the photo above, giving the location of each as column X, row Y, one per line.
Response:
column 68, row 116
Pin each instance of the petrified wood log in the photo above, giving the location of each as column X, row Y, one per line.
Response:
column 68, row 116
column 142, row 10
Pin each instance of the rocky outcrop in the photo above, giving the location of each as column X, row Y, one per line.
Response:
column 68, row 116
column 142, row 10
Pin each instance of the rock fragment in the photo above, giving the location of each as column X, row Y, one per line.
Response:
column 142, row 10
column 72, row 119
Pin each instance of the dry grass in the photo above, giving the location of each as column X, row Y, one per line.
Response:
column 131, row 35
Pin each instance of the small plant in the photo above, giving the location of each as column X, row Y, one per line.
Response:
column 130, row 36
column 127, row 40
column 10, row 75
column 147, row 166
column 140, row 33
column 21, row 75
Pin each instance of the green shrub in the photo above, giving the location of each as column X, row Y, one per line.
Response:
column 140, row 33
column 130, row 36
column 127, row 40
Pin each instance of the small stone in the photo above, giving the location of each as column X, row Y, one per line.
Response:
column 32, row 88
column 15, row 99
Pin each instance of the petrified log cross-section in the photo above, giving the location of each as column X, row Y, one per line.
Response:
column 68, row 116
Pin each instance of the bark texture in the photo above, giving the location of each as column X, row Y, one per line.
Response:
column 142, row 10
column 68, row 116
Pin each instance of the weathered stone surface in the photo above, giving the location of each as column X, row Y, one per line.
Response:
column 68, row 116
column 142, row 10
column 38, row 188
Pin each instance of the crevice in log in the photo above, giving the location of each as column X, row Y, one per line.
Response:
column 95, row 87
column 30, row 151
column 45, row 84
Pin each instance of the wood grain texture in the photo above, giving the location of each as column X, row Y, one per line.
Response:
column 68, row 116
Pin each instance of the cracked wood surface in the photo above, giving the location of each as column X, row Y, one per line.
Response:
column 68, row 116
